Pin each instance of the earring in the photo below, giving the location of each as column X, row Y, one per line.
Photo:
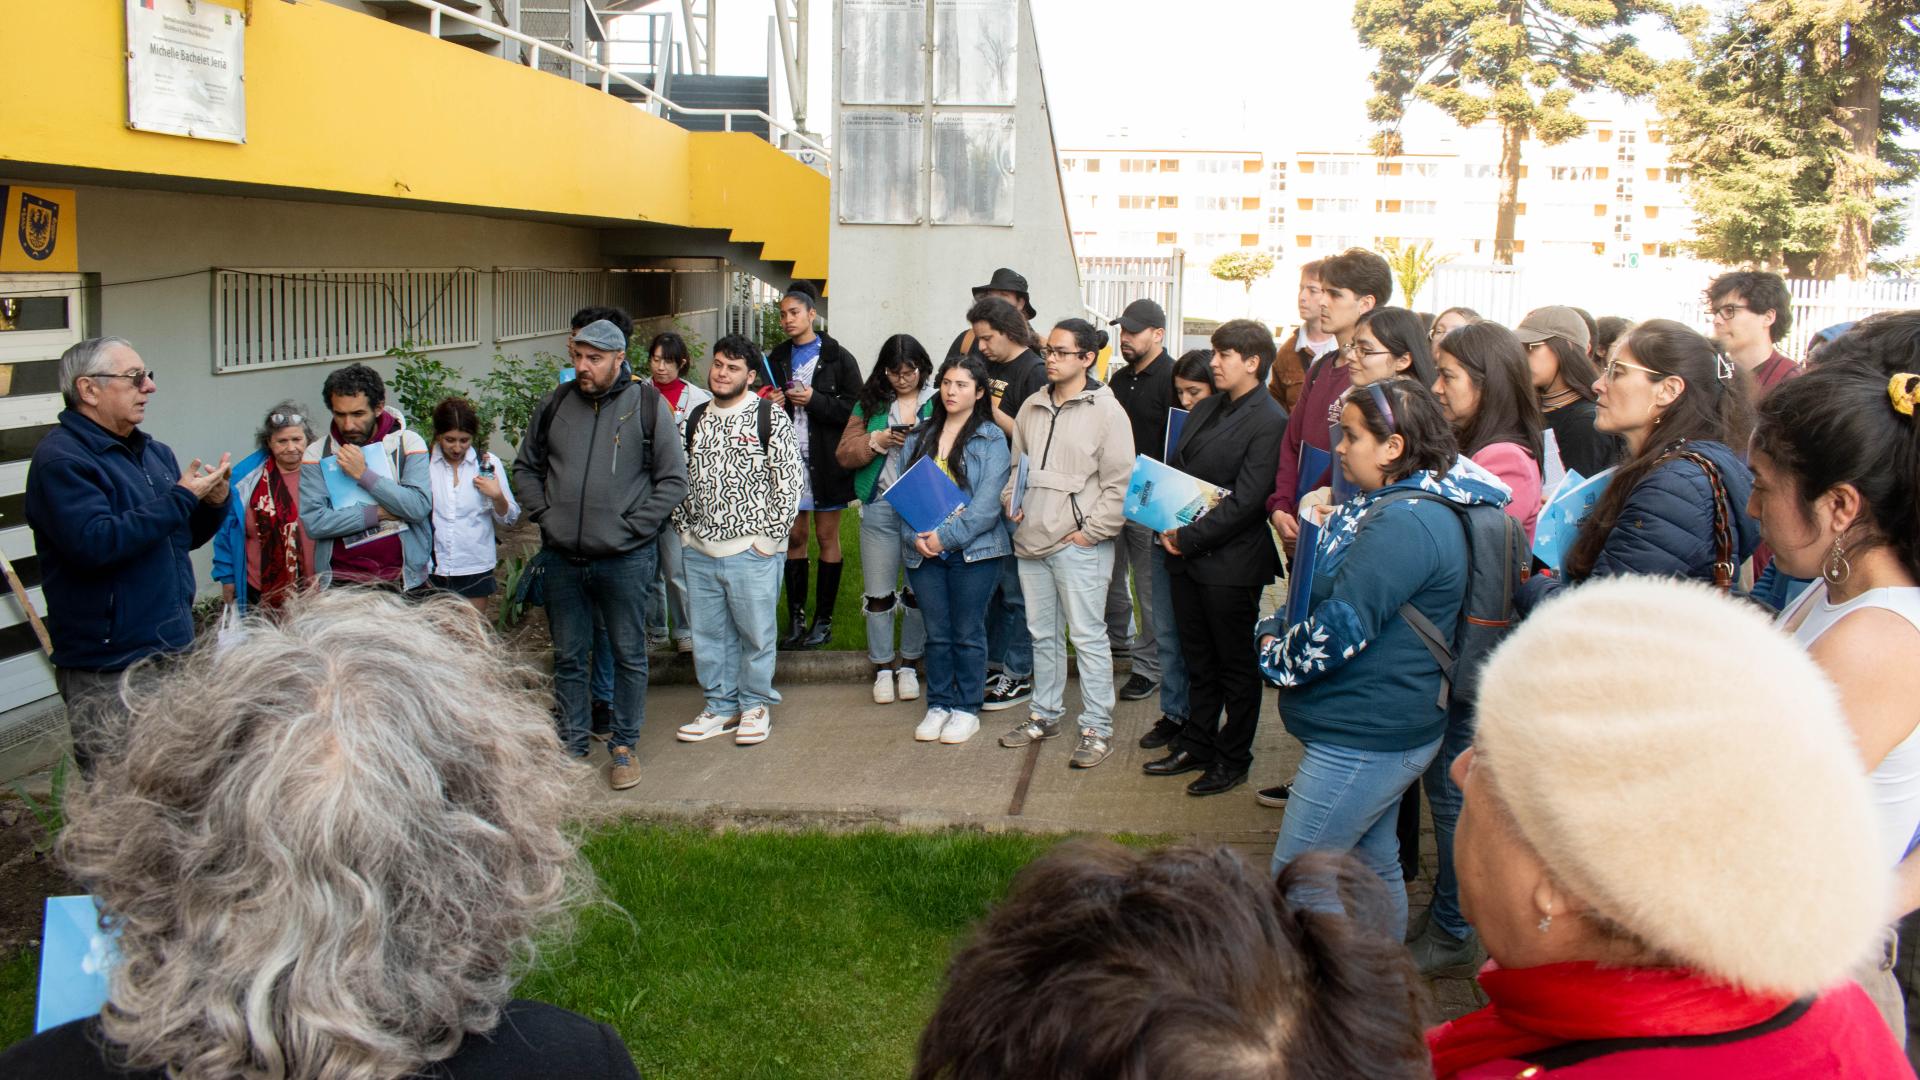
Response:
column 1546, row 924
column 1837, row 568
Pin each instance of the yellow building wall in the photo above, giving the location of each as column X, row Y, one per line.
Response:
column 339, row 102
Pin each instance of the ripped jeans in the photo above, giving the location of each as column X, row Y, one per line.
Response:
column 880, row 566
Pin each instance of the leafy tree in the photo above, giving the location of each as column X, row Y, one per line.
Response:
column 1788, row 116
column 1413, row 264
column 1245, row 267
column 1516, row 62
column 420, row 382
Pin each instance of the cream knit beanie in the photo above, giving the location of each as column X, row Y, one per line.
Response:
column 1685, row 768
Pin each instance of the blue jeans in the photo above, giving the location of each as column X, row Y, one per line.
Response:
column 1166, row 634
column 953, row 597
column 1444, row 797
column 1009, row 643
column 734, row 613
column 669, row 593
column 615, row 588
column 880, row 565
column 1066, row 595
column 1349, row 800
column 601, row 681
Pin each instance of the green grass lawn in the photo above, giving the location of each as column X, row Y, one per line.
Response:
column 763, row 954
column 849, row 622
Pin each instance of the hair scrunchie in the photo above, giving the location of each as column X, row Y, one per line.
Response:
column 1904, row 390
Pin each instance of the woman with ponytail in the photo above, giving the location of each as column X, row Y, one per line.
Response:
column 1836, row 470
column 1677, row 504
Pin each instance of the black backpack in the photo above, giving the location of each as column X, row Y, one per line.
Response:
column 647, row 410
column 765, row 416
column 1497, row 563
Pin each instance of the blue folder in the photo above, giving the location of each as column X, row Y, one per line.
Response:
column 1163, row 498
column 1019, row 487
column 1176, row 423
column 343, row 490
column 1306, row 552
column 1559, row 522
column 925, row 496
column 75, row 955
column 1315, row 464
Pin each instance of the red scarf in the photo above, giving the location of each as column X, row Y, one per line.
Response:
column 671, row 391
column 276, row 521
column 1539, row 1007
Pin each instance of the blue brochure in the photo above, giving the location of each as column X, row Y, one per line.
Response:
column 343, row 490
column 1343, row 488
column 1019, row 487
column 1163, row 498
column 1559, row 521
column 567, row 374
column 1306, row 551
column 925, row 496
column 75, row 955
column 1315, row 465
column 1176, row 423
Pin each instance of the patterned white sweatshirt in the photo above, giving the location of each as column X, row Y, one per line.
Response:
column 739, row 492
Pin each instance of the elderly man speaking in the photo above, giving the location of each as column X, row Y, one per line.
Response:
column 113, row 519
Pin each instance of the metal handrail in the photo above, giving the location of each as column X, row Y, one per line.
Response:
column 436, row 11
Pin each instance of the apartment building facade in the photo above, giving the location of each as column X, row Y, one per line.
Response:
column 1129, row 201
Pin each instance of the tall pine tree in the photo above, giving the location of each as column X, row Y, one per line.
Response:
column 1788, row 117
column 1517, row 62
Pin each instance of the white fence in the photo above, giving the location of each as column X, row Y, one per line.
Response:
column 1109, row 283
column 1506, row 293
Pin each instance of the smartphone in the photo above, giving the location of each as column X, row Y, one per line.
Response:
column 901, row 428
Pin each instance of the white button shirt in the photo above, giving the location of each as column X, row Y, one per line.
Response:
column 463, row 519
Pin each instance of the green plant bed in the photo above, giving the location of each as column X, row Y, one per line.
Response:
column 752, row 954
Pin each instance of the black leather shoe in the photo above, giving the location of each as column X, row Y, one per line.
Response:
column 796, row 633
column 1173, row 764
column 1162, row 733
column 821, row 633
column 1219, row 777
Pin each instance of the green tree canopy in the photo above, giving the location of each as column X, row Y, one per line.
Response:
column 1245, row 267
column 1516, row 62
column 1788, row 116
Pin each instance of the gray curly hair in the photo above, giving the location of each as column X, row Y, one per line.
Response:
column 330, row 847
column 288, row 413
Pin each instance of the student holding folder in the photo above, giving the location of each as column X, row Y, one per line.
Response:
column 954, row 566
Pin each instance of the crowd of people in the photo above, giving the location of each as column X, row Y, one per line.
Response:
column 1601, row 735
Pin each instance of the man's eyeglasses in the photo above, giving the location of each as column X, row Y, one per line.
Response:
column 1048, row 351
column 1614, row 365
column 1727, row 311
column 135, row 377
column 286, row 419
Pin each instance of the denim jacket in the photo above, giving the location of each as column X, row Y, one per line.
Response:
column 979, row 531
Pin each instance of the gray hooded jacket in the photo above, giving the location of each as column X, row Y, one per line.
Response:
column 591, row 480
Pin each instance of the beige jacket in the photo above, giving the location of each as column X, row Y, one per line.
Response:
column 1079, row 459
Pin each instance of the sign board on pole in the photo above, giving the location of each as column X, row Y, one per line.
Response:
column 186, row 69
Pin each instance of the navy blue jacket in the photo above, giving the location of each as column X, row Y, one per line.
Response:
column 113, row 528
column 1665, row 528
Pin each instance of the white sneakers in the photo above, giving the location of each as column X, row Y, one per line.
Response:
column 883, row 687
column 959, row 728
column 705, row 726
column 755, row 724
column 748, row 728
column 930, row 727
column 886, row 679
column 909, row 683
column 950, row 727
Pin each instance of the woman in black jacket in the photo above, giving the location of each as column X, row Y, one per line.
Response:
column 817, row 381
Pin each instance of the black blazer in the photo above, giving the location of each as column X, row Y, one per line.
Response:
column 533, row 1039
column 1237, row 448
column 836, row 389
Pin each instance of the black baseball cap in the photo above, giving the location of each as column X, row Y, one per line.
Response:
column 1141, row 315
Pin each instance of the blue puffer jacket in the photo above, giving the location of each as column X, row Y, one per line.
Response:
column 979, row 531
column 113, row 527
column 1665, row 528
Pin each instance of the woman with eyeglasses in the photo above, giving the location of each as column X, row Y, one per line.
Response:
column 1486, row 389
column 898, row 394
column 1358, row 688
column 1676, row 506
column 262, row 554
column 1557, row 342
column 669, row 363
column 1387, row 343
column 470, row 496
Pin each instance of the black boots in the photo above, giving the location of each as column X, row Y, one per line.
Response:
column 826, row 590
